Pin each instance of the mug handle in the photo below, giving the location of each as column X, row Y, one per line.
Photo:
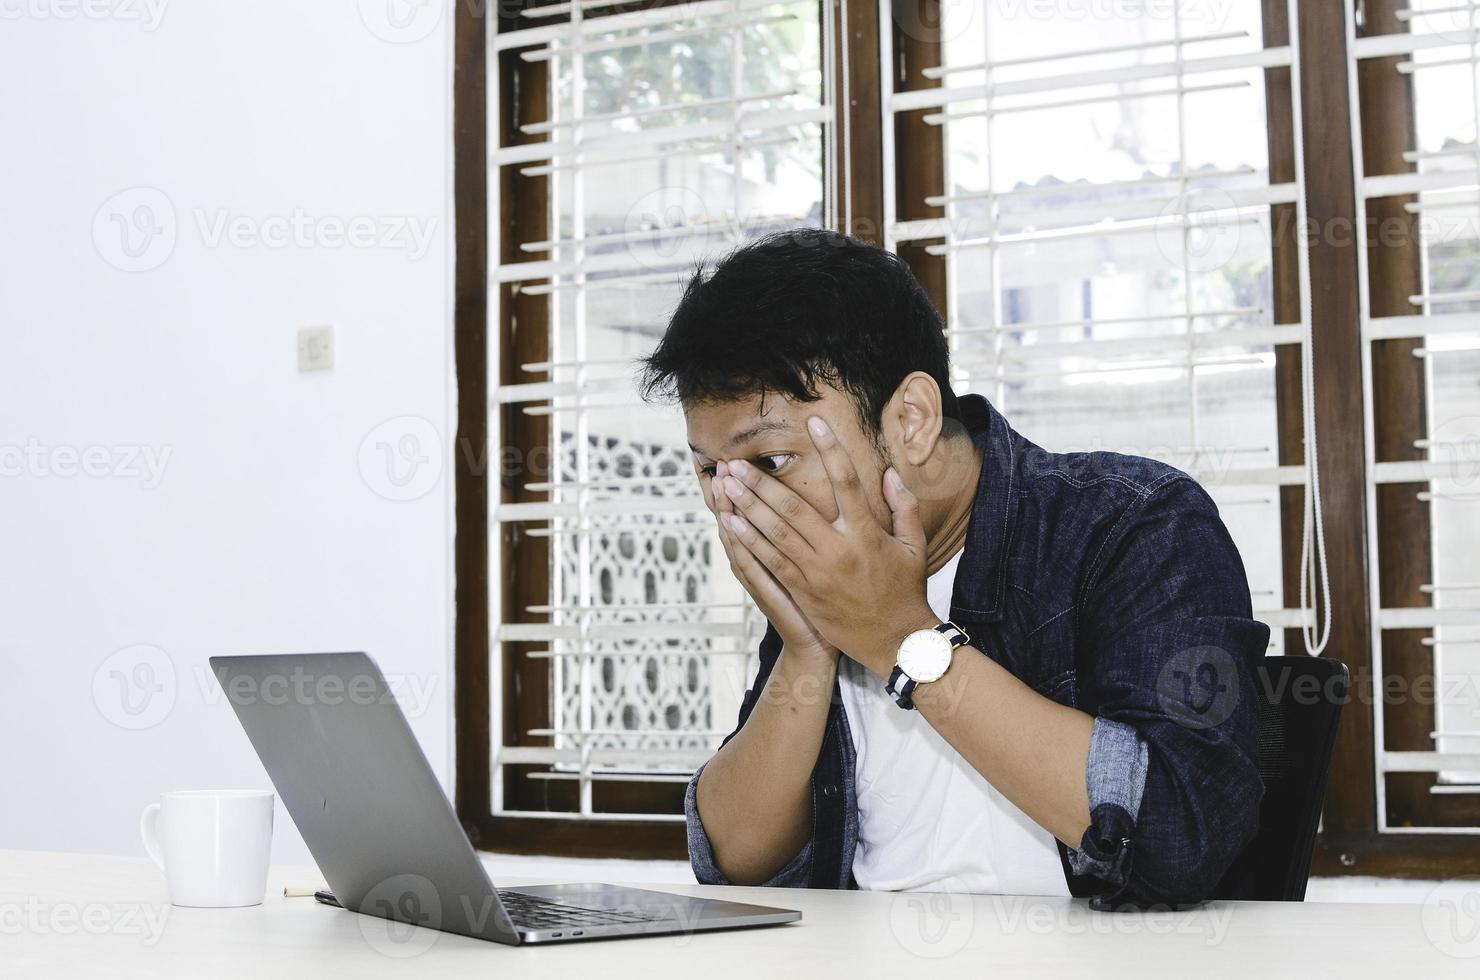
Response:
column 149, row 830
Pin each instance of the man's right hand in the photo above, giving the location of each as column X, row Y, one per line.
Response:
column 798, row 636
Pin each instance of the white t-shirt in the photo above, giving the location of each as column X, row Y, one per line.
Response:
column 928, row 821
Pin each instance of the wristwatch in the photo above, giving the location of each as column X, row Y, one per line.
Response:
column 924, row 656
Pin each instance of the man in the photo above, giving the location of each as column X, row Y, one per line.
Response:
column 976, row 648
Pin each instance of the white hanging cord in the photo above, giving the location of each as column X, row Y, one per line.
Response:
column 846, row 185
column 1315, row 631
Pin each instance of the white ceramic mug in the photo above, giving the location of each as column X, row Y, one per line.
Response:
column 212, row 845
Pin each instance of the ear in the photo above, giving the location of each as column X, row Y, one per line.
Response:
column 915, row 411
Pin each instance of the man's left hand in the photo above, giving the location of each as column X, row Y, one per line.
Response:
column 862, row 587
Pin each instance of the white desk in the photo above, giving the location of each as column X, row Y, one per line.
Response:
column 64, row 915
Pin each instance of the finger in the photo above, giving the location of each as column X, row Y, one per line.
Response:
column 709, row 487
column 847, row 488
column 721, row 499
column 723, row 506
column 905, row 507
column 750, row 573
column 759, row 515
column 720, row 507
column 786, row 503
column 761, row 556
column 759, row 583
column 732, row 554
column 753, row 577
column 706, row 489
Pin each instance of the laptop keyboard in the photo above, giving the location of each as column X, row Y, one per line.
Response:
column 532, row 912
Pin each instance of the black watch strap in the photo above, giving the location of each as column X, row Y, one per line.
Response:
column 901, row 686
column 954, row 633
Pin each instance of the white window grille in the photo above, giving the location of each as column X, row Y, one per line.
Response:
column 675, row 133
column 1106, row 229
column 1436, row 43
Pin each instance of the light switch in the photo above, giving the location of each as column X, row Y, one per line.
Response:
column 315, row 348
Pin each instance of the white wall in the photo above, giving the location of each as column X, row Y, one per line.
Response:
column 262, row 531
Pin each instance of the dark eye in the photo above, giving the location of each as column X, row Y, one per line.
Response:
column 707, row 471
column 775, row 461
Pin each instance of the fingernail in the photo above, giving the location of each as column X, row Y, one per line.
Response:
column 734, row 487
column 727, row 520
column 737, row 467
column 817, row 426
column 721, row 469
column 738, row 526
column 898, row 480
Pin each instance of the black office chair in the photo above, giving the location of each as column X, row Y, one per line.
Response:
column 1300, row 701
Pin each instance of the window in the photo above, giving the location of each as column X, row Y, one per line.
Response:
column 1118, row 208
column 1104, row 221
column 1419, row 191
column 654, row 139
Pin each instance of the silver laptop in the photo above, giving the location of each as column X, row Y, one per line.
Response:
column 384, row 835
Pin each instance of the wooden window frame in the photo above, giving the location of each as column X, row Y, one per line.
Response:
column 521, row 334
column 1350, row 842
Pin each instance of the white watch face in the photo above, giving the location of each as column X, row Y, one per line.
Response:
column 924, row 656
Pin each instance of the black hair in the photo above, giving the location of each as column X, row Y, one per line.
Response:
column 797, row 309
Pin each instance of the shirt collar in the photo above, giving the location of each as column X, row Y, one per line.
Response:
column 982, row 576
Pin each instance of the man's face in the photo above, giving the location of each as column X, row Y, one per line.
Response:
column 772, row 435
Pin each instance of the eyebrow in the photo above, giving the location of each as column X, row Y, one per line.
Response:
column 746, row 435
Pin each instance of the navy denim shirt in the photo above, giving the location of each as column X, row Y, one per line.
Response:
column 1109, row 584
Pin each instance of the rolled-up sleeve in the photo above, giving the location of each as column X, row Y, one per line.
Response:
column 1172, row 777
column 1115, row 777
column 794, row 874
